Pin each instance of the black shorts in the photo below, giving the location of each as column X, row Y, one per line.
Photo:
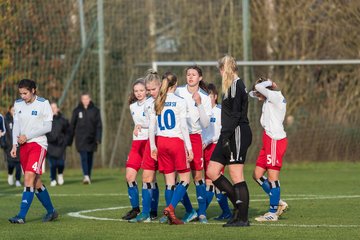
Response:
column 240, row 141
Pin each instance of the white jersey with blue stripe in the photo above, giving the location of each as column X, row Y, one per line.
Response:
column 138, row 115
column 193, row 115
column 211, row 134
column 169, row 121
column 31, row 116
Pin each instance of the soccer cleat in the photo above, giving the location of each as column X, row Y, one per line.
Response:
column 53, row 183
column 153, row 215
column 17, row 219
column 86, row 180
column 60, row 179
column 131, row 214
column 223, row 216
column 203, row 219
column 141, row 218
column 18, row 183
column 190, row 216
column 164, row 219
column 10, row 180
column 170, row 213
column 267, row 217
column 283, row 207
column 51, row 216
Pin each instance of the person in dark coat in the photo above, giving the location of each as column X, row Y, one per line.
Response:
column 86, row 126
column 58, row 140
column 12, row 163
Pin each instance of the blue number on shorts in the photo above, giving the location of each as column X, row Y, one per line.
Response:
column 167, row 125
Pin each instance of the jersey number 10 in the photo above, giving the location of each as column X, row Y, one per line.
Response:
column 169, row 120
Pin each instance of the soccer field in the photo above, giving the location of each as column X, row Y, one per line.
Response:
column 323, row 199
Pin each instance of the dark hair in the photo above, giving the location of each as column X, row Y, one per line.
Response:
column 202, row 83
column 260, row 80
column 212, row 90
column 11, row 106
column 168, row 80
column 27, row 84
column 132, row 97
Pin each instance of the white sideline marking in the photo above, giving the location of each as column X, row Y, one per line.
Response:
column 310, row 197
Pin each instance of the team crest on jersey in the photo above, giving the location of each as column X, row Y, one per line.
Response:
column 34, row 113
column 80, row 115
column 213, row 119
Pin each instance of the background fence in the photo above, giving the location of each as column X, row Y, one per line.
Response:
column 56, row 43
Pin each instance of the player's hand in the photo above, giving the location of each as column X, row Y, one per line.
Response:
column 21, row 139
column 137, row 129
column 204, row 146
column 154, row 154
column 226, row 148
column 13, row 151
column 189, row 155
column 196, row 97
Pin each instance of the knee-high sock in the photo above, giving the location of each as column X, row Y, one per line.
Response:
column 26, row 200
column 169, row 191
column 242, row 199
column 224, row 185
column 43, row 195
column 209, row 194
column 274, row 196
column 222, row 200
column 179, row 193
column 133, row 194
column 201, row 196
column 147, row 192
column 186, row 202
column 264, row 183
column 155, row 197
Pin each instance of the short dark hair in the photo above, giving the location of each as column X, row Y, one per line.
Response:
column 212, row 90
column 28, row 84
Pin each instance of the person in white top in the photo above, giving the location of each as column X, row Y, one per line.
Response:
column 210, row 137
column 274, row 145
column 32, row 120
column 198, row 118
column 137, row 100
column 172, row 147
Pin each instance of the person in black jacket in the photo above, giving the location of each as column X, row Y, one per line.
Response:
column 86, row 126
column 235, row 138
column 58, row 139
column 12, row 163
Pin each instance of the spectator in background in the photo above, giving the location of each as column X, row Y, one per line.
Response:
column 58, row 139
column 86, row 126
column 12, row 163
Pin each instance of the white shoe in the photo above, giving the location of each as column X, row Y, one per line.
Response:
column 53, row 183
column 86, row 180
column 18, row 183
column 10, row 180
column 267, row 217
column 283, row 206
column 60, row 179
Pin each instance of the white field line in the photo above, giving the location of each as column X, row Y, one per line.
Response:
column 79, row 214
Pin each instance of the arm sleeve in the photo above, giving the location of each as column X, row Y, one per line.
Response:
column 204, row 118
column 152, row 125
column 98, row 127
column 2, row 125
column 46, row 127
column 72, row 126
column 262, row 88
column 185, row 133
column 16, row 131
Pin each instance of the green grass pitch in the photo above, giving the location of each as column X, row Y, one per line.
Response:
column 324, row 201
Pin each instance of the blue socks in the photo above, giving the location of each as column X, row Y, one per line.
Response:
column 186, row 202
column 209, row 195
column 179, row 193
column 222, row 200
column 147, row 192
column 133, row 194
column 43, row 195
column 201, row 196
column 274, row 196
column 169, row 191
column 264, row 183
column 27, row 198
column 155, row 197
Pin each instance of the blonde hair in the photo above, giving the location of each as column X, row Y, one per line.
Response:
column 228, row 65
column 168, row 80
column 151, row 76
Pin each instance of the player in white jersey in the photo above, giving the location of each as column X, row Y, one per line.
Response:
column 172, row 148
column 274, row 145
column 198, row 118
column 32, row 120
column 210, row 137
column 137, row 102
column 150, row 190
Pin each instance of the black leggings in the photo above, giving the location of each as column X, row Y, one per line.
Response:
column 14, row 165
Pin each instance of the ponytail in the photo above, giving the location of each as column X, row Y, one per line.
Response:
column 228, row 65
column 168, row 80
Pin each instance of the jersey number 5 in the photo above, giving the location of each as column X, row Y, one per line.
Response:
column 169, row 120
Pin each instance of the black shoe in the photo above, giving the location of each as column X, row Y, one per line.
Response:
column 237, row 223
column 131, row 214
column 235, row 216
column 153, row 215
